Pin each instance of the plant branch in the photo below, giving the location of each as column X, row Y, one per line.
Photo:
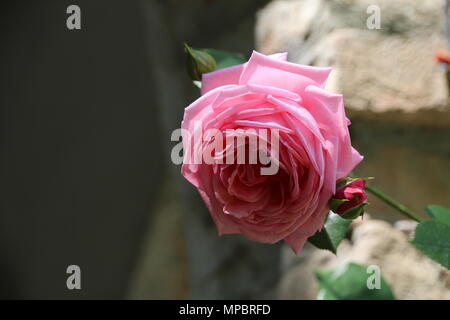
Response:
column 394, row 204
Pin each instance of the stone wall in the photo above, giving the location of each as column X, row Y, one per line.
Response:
column 409, row 273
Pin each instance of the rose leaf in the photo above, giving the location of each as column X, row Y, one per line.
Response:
column 432, row 237
column 352, row 282
column 438, row 213
column 225, row 59
column 332, row 233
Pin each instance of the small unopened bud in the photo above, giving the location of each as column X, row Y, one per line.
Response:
column 198, row 62
column 350, row 200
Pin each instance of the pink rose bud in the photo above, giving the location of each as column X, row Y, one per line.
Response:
column 354, row 193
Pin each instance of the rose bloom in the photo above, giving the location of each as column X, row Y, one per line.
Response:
column 353, row 192
column 314, row 148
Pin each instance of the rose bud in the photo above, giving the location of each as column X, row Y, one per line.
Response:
column 198, row 62
column 352, row 198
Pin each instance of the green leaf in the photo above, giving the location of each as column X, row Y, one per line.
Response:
column 199, row 62
column 432, row 237
column 354, row 212
column 225, row 59
column 438, row 213
column 332, row 233
column 352, row 282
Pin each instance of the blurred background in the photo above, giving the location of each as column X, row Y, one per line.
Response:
column 86, row 121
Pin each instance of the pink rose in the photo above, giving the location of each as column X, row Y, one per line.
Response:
column 353, row 192
column 314, row 148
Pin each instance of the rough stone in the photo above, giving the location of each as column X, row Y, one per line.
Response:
column 386, row 71
column 410, row 274
column 386, row 74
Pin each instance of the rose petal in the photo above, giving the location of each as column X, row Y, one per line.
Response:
column 263, row 70
column 230, row 75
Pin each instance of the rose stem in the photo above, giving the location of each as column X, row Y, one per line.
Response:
column 394, row 204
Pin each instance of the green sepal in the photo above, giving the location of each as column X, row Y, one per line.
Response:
column 354, row 212
column 199, row 62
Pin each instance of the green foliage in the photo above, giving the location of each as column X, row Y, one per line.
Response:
column 351, row 282
column 332, row 233
column 354, row 212
column 198, row 62
column 432, row 237
column 438, row 213
column 226, row 59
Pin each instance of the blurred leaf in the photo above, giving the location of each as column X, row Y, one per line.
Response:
column 438, row 213
column 198, row 62
column 432, row 237
column 332, row 233
column 350, row 282
column 225, row 59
